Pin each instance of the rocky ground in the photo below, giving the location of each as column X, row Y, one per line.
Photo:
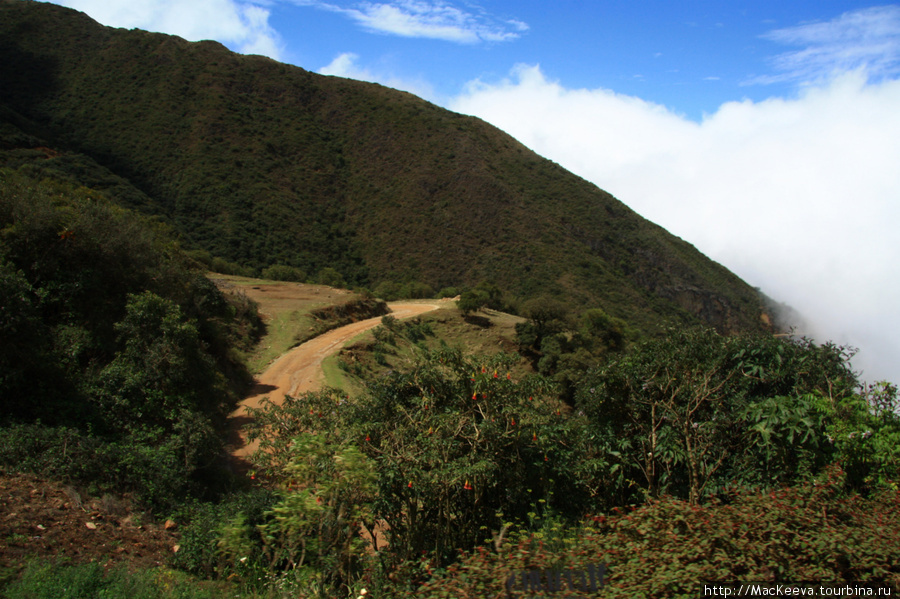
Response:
column 47, row 520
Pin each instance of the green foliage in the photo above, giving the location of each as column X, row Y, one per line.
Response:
column 60, row 580
column 563, row 348
column 200, row 550
column 452, row 443
column 667, row 548
column 162, row 370
column 107, row 331
column 282, row 272
column 689, row 413
column 327, row 497
column 864, row 430
column 391, row 290
column 331, row 277
column 161, row 470
column 484, row 295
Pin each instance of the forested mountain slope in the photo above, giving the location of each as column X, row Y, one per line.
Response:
column 263, row 163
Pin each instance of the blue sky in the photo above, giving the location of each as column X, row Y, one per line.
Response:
column 766, row 133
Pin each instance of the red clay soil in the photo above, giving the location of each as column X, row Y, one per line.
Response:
column 46, row 520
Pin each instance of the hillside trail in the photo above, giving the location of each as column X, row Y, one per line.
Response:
column 300, row 370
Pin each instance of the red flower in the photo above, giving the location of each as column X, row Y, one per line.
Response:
column 409, row 485
column 368, row 438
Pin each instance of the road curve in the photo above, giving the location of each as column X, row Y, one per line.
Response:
column 300, row 369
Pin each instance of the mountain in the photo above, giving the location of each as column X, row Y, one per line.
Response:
column 263, row 163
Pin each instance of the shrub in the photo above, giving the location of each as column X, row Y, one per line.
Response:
column 667, row 548
column 331, row 277
column 200, row 552
column 453, row 442
column 282, row 272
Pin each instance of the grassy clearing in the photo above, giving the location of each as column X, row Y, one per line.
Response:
column 286, row 309
column 283, row 332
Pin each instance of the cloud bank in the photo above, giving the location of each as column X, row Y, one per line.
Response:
column 243, row 26
column 800, row 197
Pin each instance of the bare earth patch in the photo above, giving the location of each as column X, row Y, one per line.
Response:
column 40, row 519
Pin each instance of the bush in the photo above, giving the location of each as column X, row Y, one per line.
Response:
column 416, row 290
column 200, row 552
column 331, row 277
column 389, row 291
column 282, row 272
column 687, row 414
column 160, row 470
column 667, row 548
column 458, row 439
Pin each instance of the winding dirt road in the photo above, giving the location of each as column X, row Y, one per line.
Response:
column 300, row 369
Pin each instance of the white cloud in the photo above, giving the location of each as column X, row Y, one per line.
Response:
column 347, row 65
column 243, row 26
column 433, row 19
column 867, row 38
column 800, row 197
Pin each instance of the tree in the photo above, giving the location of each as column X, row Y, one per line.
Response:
column 331, row 277
column 484, row 295
column 161, row 369
column 455, row 442
column 687, row 413
column 282, row 272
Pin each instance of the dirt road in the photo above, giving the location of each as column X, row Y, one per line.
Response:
column 300, row 369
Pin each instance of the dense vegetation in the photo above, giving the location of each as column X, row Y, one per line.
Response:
column 668, row 452
column 118, row 361
column 733, row 457
column 258, row 164
column 705, row 432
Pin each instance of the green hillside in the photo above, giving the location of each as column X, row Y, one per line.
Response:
column 262, row 163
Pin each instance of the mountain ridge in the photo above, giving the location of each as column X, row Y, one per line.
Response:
column 264, row 163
